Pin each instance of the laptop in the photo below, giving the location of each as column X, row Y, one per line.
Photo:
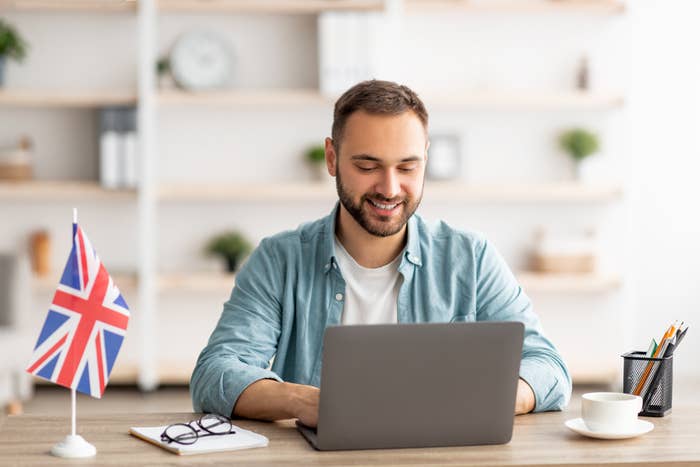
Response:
column 417, row 385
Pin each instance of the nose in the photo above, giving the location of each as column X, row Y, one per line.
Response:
column 389, row 186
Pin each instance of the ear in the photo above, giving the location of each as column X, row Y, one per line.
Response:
column 331, row 157
column 425, row 156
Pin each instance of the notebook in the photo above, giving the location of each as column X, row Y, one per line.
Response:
column 241, row 439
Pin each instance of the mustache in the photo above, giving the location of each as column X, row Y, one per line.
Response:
column 384, row 200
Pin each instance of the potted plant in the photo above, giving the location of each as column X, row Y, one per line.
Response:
column 316, row 157
column 579, row 144
column 11, row 46
column 232, row 246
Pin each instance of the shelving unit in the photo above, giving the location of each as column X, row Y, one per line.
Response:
column 150, row 370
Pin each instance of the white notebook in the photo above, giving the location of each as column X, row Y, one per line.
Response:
column 241, row 439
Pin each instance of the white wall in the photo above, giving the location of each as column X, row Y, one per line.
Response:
column 662, row 41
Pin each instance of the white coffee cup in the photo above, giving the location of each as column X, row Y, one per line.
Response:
column 610, row 411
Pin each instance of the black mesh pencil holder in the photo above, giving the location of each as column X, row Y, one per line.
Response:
column 657, row 389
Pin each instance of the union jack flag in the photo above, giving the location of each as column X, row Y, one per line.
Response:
column 85, row 325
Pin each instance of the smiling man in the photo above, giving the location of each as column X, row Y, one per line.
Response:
column 371, row 261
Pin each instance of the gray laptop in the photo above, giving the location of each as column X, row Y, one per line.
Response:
column 417, row 385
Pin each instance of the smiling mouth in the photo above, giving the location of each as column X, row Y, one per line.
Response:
column 384, row 209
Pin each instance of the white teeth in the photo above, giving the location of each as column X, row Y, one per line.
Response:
column 387, row 207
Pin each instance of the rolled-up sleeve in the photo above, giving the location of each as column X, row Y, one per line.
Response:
column 244, row 340
column 499, row 297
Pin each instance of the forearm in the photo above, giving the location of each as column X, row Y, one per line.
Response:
column 271, row 400
column 524, row 399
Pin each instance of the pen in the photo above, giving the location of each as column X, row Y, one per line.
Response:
column 659, row 351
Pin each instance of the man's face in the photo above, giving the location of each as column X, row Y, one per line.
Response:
column 380, row 169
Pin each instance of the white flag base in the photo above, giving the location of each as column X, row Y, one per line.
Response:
column 73, row 446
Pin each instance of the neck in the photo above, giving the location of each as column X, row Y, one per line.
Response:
column 369, row 251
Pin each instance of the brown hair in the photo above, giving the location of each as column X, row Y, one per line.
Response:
column 375, row 97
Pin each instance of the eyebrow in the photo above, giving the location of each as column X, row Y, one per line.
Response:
column 368, row 157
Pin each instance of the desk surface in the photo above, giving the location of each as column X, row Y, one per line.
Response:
column 538, row 439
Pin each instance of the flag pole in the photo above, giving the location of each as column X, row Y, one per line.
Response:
column 72, row 390
column 72, row 415
column 73, row 445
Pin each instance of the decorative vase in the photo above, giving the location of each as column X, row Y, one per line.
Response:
column 231, row 264
column 589, row 169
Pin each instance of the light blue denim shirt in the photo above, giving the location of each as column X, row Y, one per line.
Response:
column 291, row 289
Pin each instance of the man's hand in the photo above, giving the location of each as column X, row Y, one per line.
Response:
column 305, row 405
column 268, row 399
column 524, row 399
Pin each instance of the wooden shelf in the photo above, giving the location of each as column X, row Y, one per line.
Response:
column 247, row 192
column 59, row 98
column 269, row 6
column 170, row 282
column 568, row 283
column 47, row 284
column 584, row 373
column 525, row 100
column 100, row 6
column 217, row 282
column 486, row 100
column 50, row 191
column 197, row 282
column 174, row 97
column 601, row 7
column 523, row 193
column 442, row 191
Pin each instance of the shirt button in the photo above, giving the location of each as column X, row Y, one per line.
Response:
column 339, row 296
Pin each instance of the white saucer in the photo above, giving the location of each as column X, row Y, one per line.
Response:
column 577, row 425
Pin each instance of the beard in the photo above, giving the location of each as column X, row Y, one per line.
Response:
column 379, row 226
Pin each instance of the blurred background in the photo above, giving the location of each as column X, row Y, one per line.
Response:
column 185, row 131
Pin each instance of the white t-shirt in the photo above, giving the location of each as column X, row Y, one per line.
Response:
column 371, row 294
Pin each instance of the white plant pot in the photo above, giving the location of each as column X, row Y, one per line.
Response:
column 588, row 169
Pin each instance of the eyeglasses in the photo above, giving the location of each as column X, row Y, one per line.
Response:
column 190, row 432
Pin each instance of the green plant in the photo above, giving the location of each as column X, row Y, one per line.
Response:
column 579, row 143
column 11, row 43
column 316, row 154
column 232, row 246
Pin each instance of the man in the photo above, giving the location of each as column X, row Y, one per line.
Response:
column 372, row 260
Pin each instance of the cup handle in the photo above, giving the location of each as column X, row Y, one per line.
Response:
column 640, row 401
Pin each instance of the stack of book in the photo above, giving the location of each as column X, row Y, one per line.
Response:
column 118, row 148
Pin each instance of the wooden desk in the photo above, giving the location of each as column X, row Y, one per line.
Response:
column 538, row 439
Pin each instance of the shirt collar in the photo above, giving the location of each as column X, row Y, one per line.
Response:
column 410, row 253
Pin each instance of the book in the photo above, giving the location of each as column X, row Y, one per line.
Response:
column 241, row 439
